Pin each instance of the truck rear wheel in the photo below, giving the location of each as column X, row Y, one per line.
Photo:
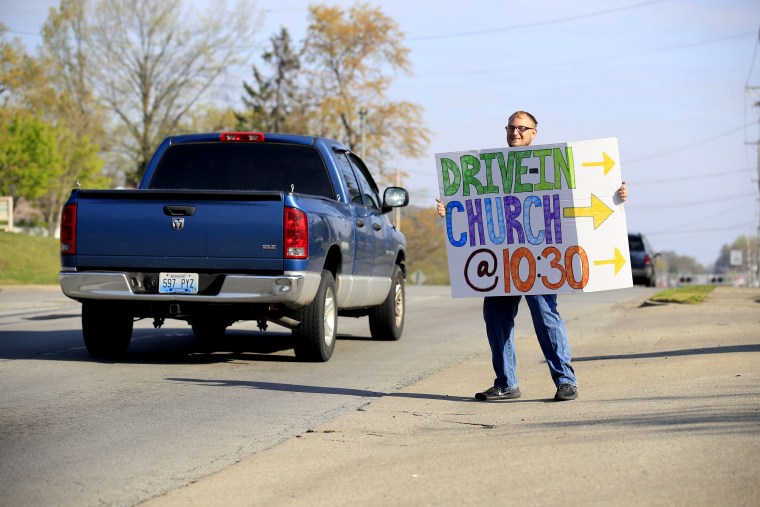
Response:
column 386, row 321
column 107, row 330
column 314, row 337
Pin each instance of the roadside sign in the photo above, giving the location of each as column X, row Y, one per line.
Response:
column 736, row 257
column 6, row 213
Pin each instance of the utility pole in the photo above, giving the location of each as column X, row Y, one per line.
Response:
column 397, row 211
column 753, row 257
column 753, row 260
column 362, row 117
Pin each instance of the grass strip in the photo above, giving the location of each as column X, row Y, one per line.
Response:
column 28, row 259
column 691, row 294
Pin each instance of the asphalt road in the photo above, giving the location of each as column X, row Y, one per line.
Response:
column 74, row 431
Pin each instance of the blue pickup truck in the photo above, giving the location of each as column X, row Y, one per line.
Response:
column 237, row 226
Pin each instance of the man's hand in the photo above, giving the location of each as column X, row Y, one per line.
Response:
column 622, row 192
column 441, row 208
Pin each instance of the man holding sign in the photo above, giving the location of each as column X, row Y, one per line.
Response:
column 499, row 312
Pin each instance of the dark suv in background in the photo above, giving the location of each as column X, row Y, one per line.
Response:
column 642, row 260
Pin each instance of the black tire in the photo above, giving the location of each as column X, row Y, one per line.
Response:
column 208, row 331
column 107, row 330
column 386, row 321
column 314, row 337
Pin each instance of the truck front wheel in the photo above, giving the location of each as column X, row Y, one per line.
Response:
column 107, row 330
column 314, row 337
column 386, row 321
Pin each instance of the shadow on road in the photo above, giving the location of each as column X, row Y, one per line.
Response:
column 166, row 346
column 298, row 388
column 730, row 349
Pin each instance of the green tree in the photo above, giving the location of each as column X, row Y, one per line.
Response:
column 276, row 103
column 208, row 117
column 676, row 264
column 41, row 162
column 70, row 103
column 348, row 54
column 27, row 151
column 79, row 165
column 44, row 155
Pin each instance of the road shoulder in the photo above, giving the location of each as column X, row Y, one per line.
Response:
column 668, row 414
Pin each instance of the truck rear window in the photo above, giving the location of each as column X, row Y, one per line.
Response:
column 242, row 166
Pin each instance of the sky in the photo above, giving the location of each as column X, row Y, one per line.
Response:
column 676, row 81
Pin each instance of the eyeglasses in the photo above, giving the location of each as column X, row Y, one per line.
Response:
column 521, row 128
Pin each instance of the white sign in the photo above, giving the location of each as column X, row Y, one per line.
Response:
column 736, row 257
column 534, row 219
column 418, row 277
column 6, row 213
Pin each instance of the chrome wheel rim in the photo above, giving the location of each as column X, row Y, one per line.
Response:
column 329, row 320
column 399, row 305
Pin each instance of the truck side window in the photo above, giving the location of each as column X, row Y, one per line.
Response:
column 367, row 184
column 354, row 192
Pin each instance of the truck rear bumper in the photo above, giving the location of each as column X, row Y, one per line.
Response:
column 291, row 288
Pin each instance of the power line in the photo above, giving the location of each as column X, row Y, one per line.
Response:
column 731, row 209
column 534, row 24
column 687, row 204
column 670, row 232
column 19, row 32
column 691, row 145
column 722, row 174
column 579, row 62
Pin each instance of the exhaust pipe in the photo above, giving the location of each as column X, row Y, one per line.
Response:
column 287, row 322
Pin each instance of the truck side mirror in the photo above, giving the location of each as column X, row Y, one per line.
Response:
column 395, row 197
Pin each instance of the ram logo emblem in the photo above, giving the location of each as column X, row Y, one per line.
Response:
column 178, row 224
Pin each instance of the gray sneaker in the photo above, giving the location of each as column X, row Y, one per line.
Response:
column 498, row 394
column 566, row 392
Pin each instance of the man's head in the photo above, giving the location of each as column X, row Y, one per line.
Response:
column 521, row 129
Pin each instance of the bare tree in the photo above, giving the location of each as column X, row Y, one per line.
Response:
column 68, row 96
column 152, row 60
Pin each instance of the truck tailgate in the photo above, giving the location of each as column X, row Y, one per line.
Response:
column 168, row 229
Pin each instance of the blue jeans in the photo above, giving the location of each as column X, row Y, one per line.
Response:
column 499, row 313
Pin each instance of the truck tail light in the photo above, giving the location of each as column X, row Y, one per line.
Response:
column 244, row 137
column 69, row 229
column 647, row 260
column 296, row 237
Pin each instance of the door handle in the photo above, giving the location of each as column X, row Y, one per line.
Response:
column 179, row 211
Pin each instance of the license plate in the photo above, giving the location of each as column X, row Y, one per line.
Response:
column 178, row 283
